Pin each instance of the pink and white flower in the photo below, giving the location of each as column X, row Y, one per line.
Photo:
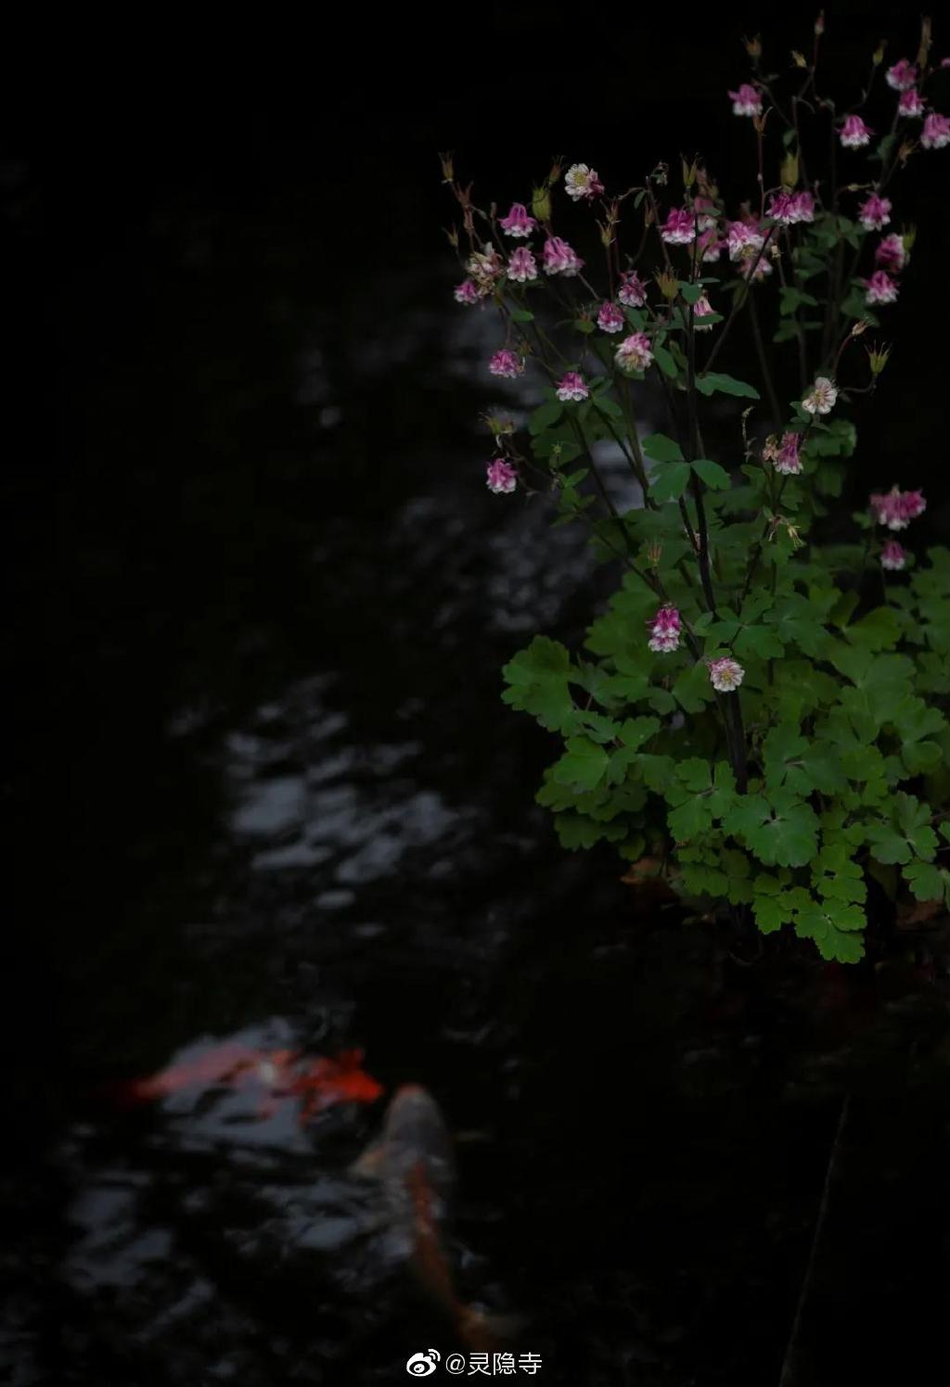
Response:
column 560, row 259
column 485, row 267
column 821, row 398
column 891, row 253
column 896, row 508
column 632, row 291
column 665, row 631
column 854, row 133
column 782, row 208
column 746, row 101
column 679, row 229
column 634, row 353
column 610, row 318
column 711, row 245
column 581, row 181
column 572, row 387
column 522, row 266
column 880, row 288
column 744, row 240
column 518, row 222
column 911, row 104
column 725, row 674
column 466, row 292
column 703, row 309
column 502, row 477
column 506, row 363
column 902, row 75
column 787, row 460
column 936, row 131
column 803, row 206
column 875, row 212
column 893, row 556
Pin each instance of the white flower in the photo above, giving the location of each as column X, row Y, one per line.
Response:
column 821, row 398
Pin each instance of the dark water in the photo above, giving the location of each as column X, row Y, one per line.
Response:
column 264, row 598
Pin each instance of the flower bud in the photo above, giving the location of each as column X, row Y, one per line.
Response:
column 820, row 23
column 689, row 173
column 541, row 203
column 799, row 59
column 555, row 173
column 909, row 237
column 878, row 56
column 858, row 327
column 453, row 236
column 448, row 168
column 788, row 174
column 754, row 48
column 877, row 359
column 667, row 282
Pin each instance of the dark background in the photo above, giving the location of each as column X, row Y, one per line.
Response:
column 237, row 462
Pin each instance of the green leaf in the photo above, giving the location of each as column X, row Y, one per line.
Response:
column 778, row 827
column 538, row 684
column 773, row 905
column 927, row 882
column 608, row 406
column 520, row 315
column 664, row 360
column 583, row 765
column 545, row 415
column 712, row 474
column 662, row 449
column 725, row 385
column 799, row 764
column 833, row 927
column 578, row 831
column 692, row 293
column 908, row 834
column 669, row 483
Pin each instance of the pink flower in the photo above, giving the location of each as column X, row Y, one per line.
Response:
column 902, row 75
column 522, row 266
column 610, row 318
column 485, row 268
column 782, row 209
column 896, row 508
column 466, row 292
column 581, row 181
column 634, row 353
column 633, row 291
column 787, row 460
column 746, row 101
column 936, row 132
column 679, row 228
column 893, row 556
column 710, row 244
column 726, row 674
column 517, row 222
column 880, row 288
column 703, row 309
column 821, row 398
column 506, row 363
column 744, row 240
column 911, row 103
column 706, row 213
column 803, row 207
column 854, row 133
column 665, row 632
column 502, row 477
column 891, row 254
column 572, row 387
column 875, row 213
column 559, row 259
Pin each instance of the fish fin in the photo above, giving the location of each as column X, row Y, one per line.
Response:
column 368, row 1166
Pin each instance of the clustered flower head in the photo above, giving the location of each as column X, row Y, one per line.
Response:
column 746, row 101
column 572, row 387
column 902, row 75
column 610, row 318
column 502, row 477
column 634, row 353
column 518, row 222
column 725, row 674
column 893, row 556
column 485, row 267
column 891, row 253
column 522, row 266
column 665, row 631
column 679, row 229
column 506, row 363
column 911, row 103
column 896, row 508
column 936, row 131
column 581, row 181
column 821, row 398
column 783, row 456
column 466, row 292
column 633, row 291
column 854, row 133
column 560, row 259
column 880, row 288
column 875, row 212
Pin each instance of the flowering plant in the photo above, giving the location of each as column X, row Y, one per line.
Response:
column 747, row 707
